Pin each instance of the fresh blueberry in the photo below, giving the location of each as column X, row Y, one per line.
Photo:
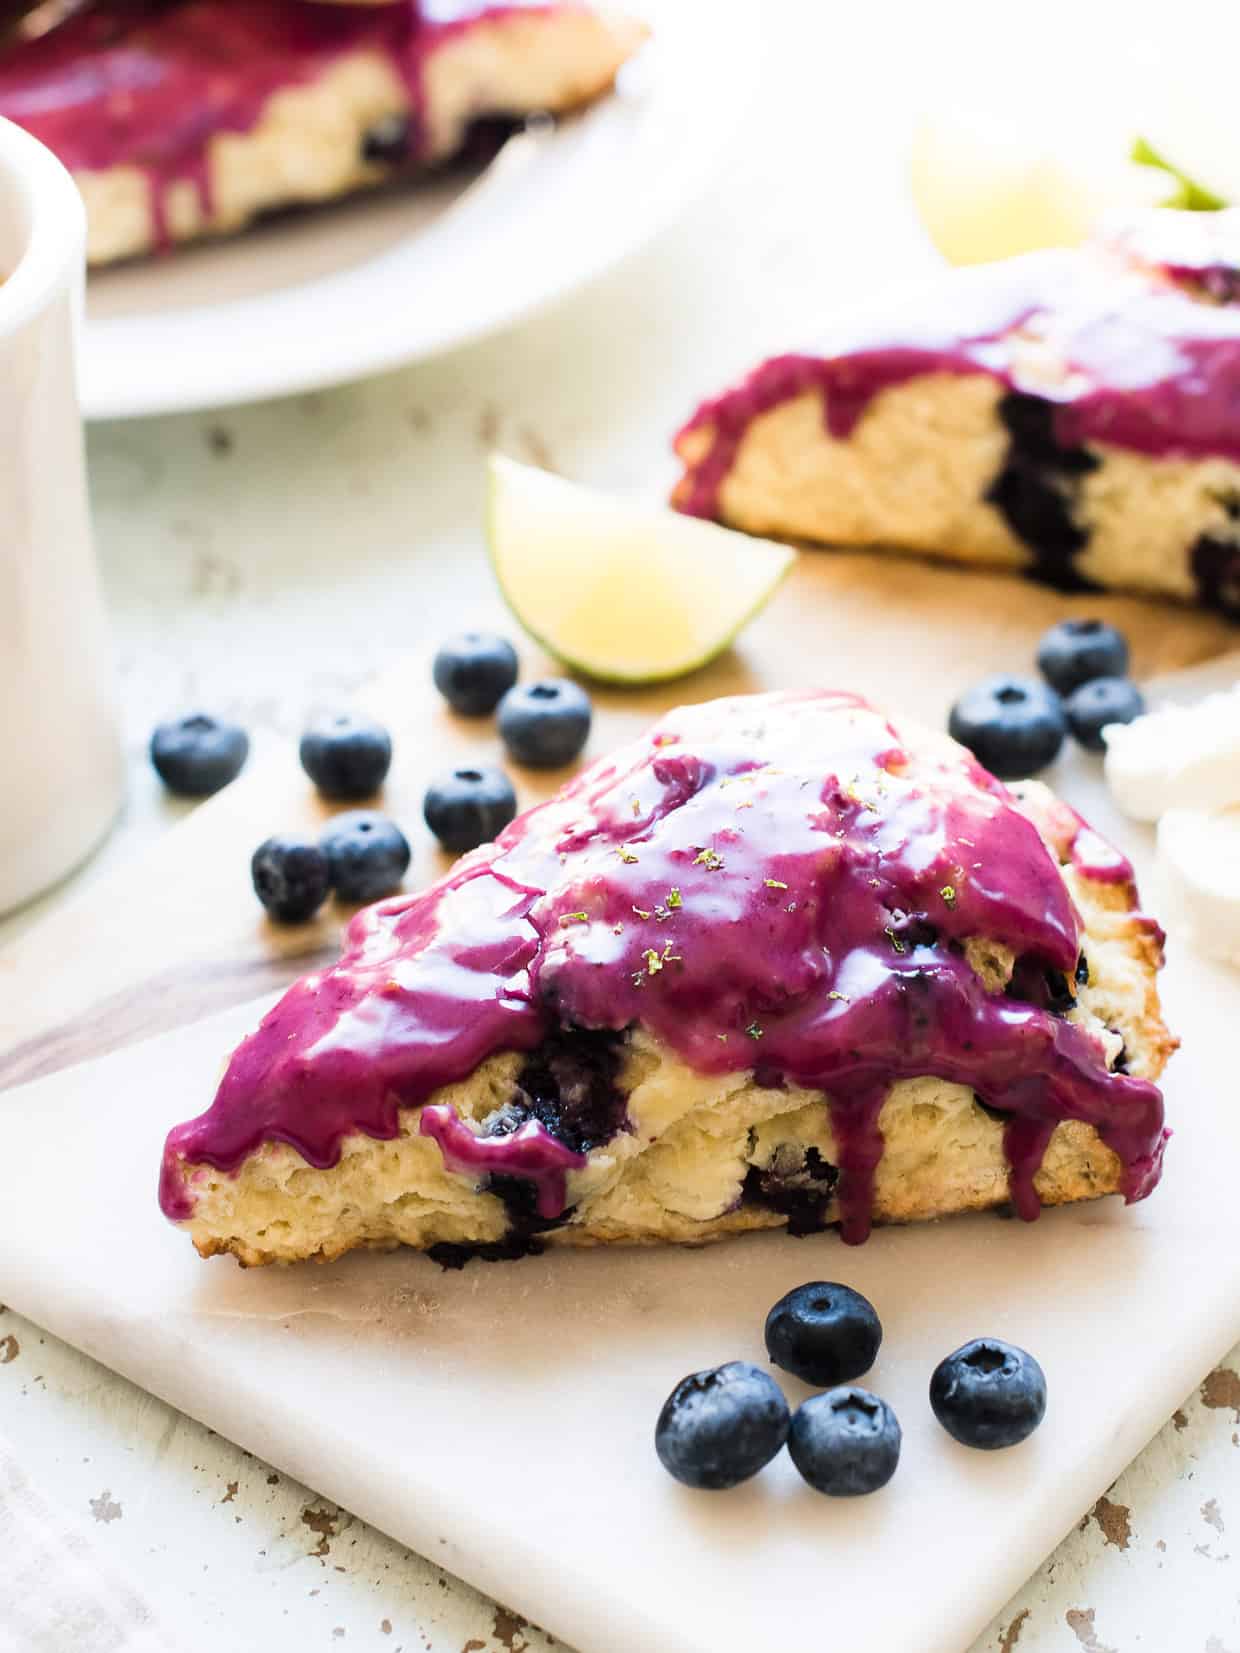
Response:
column 291, row 878
column 718, row 1428
column 845, row 1442
column 346, row 756
column 367, row 855
column 545, row 724
column 988, row 1394
column 197, row 755
column 823, row 1333
column 474, row 671
column 1013, row 726
column 1101, row 701
column 468, row 807
column 1077, row 651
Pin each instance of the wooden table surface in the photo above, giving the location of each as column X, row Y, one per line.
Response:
column 268, row 561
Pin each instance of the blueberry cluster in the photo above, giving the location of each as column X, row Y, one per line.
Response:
column 543, row 725
column 1015, row 726
column 721, row 1426
column 362, row 855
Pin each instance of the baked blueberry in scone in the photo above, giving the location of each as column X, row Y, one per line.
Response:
column 1071, row 414
column 188, row 118
column 781, row 962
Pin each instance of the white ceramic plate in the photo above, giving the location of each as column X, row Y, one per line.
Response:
column 342, row 292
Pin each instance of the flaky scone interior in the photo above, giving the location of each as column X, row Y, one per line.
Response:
column 1068, row 414
column 781, row 962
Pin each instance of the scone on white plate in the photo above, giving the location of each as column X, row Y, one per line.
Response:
column 780, row 963
column 188, row 118
column 1070, row 414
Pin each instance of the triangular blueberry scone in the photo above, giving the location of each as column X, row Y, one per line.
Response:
column 1072, row 414
column 781, row 961
column 186, row 118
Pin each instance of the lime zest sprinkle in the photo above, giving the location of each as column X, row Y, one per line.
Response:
column 642, row 912
column 948, row 892
column 708, row 858
column 775, row 884
column 574, row 918
column 754, row 1031
column 656, row 960
column 673, row 899
column 894, row 939
column 625, row 854
column 842, row 997
column 636, row 805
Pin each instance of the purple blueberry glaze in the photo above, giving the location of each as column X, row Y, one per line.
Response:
column 770, row 881
column 149, row 83
column 530, row 1152
column 1118, row 351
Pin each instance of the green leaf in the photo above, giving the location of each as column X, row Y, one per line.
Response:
column 1189, row 196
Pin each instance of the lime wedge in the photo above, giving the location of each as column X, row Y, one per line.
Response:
column 989, row 187
column 624, row 592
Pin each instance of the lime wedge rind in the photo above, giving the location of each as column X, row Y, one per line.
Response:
column 621, row 591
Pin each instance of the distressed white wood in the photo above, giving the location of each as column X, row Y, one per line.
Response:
column 263, row 560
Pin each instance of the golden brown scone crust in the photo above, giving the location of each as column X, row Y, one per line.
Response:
column 677, row 1175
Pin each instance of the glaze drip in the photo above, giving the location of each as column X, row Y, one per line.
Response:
column 770, row 882
column 530, row 1152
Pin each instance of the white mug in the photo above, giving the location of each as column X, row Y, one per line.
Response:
column 61, row 764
